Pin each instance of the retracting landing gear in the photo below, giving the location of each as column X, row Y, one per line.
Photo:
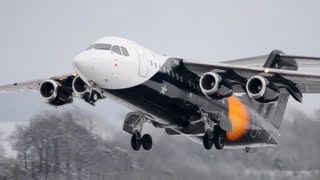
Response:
column 214, row 135
column 147, row 142
column 208, row 140
column 137, row 141
column 92, row 96
column 219, row 139
column 133, row 124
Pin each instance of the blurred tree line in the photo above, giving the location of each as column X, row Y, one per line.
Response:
column 59, row 147
column 65, row 145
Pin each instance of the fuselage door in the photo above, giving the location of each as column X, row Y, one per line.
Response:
column 143, row 62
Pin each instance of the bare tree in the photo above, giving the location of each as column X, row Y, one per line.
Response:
column 60, row 147
column 5, row 169
column 1, row 146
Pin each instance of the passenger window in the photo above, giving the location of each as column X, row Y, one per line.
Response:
column 103, row 46
column 177, row 77
column 172, row 74
column 91, row 46
column 181, row 79
column 124, row 51
column 116, row 49
column 151, row 63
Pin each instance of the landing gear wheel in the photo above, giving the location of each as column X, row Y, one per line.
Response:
column 86, row 97
column 147, row 142
column 219, row 141
column 94, row 97
column 207, row 141
column 135, row 142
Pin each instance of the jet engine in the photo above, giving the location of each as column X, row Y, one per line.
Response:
column 261, row 90
column 213, row 86
column 54, row 93
column 80, row 88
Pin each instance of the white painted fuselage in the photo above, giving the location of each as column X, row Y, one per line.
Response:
column 113, row 69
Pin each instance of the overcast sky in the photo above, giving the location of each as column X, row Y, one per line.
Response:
column 38, row 39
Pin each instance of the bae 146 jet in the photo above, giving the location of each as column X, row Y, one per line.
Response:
column 232, row 104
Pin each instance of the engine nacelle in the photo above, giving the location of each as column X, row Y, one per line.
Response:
column 80, row 88
column 261, row 90
column 53, row 93
column 213, row 86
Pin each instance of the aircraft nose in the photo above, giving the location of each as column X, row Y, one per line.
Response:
column 79, row 62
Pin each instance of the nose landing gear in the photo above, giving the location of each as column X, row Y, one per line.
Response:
column 91, row 97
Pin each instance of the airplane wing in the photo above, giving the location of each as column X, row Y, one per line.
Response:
column 307, row 83
column 32, row 85
column 279, row 69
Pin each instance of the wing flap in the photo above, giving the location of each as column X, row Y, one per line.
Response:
column 277, row 57
column 257, row 61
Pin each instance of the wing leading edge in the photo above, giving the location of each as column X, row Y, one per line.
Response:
column 32, row 85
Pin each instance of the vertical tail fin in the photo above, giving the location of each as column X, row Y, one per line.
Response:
column 272, row 112
column 275, row 111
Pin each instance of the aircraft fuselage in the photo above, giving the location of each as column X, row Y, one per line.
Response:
column 168, row 93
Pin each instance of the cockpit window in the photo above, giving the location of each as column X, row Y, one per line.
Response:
column 91, row 46
column 124, row 51
column 103, row 46
column 116, row 49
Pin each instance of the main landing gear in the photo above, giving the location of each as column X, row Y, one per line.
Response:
column 134, row 121
column 214, row 135
column 217, row 139
column 133, row 124
column 137, row 141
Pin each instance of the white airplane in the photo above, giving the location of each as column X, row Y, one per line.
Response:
column 184, row 98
